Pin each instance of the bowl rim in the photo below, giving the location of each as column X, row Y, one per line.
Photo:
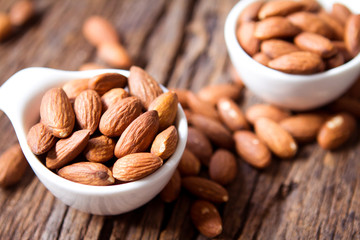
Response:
column 52, row 178
column 233, row 44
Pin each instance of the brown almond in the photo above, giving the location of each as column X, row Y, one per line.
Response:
column 166, row 106
column 98, row 30
column 214, row 130
column 87, row 108
column 201, row 107
column 91, row 66
column 275, row 27
column 245, row 36
column 88, row 173
column 231, row 115
column 262, row 58
column 336, row 26
column 182, row 96
column 315, row 43
column 165, row 143
column 57, row 113
column 13, row 166
column 279, row 8
column 112, row 96
column 21, row 12
column 205, row 189
column 99, row 149
column 303, row 127
column 311, row 5
column 250, row 12
column 346, row 104
column 334, row 61
column 119, row 116
column 206, row 218
column 311, row 22
column 223, row 167
column 39, row 139
column 74, row 87
column 199, row 145
column 104, row 82
column 139, row 135
column 5, row 26
column 114, row 54
column 172, row 189
column 261, row 110
column 212, row 93
column 251, row 149
column 135, row 166
column 352, row 35
column 274, row 48
column 340, row 12
column 336, row 131
column 298, row 63
column 279, row 141
column 189, row 164
column 342, row 49
column 67, row 149
column 143, row 86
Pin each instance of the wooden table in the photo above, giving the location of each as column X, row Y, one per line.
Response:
column 316, row 195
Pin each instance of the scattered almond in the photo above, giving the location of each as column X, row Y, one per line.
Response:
column 5, row 26
column 114, row 54
column 199, row 145
column 201, row 107
column 223, row 167
column 21, row 12
column 172, row 189
column 213, row 93
column 231, row 115
column 98, row 30
column 189, row 164
column 261, row 110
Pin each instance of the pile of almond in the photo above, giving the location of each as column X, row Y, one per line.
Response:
column 93, row 131
column 299, row 36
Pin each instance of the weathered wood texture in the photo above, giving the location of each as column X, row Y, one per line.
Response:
column 316, row 195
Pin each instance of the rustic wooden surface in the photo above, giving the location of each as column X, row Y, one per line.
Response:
column 316, row 195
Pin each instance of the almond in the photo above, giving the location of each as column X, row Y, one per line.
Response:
column 39, row 139
column 261, row 110
column 311, row 5
column 275, row 27
column 67, row 149
column 165, row 143
column 5, row 26
column 340, row 12
column 245, row 36
column 214, row 130
column 298, row 63
column 57, row 113
column 13, row 166
column 21, row 12
column 336, row 26
column 172, row 189
column 87, row 108
column 104, row 82
column 279, row 8
column 189, row 164
column 114, row 54
column 274, row 48
column 91, row 66
column 346, row 104
column 143, row 86
column 303, row 127
column 205, row 189
column 310, row 22
column 136, row 166
column 336, row 131
column 199, row 145
column 112, row 96
column 74, row 87
column 166, row 106
column 98, row 30
column 262, row 58
column 352, row 35
column 250, row 12
column 212, row 93
column 139, row 135
column 206, row 218
column 315, row 43
column 118, row 117
column 280, row 142
column 251, row 149
column 231, row 115
column 182, row 96
column 201, row 107
column 335, row 61
column 88, row 173
column 342, row 49
column 223, row 167
column 99, row 149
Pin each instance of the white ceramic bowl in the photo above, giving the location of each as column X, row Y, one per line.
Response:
column 297, row 92
column 20, row 98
